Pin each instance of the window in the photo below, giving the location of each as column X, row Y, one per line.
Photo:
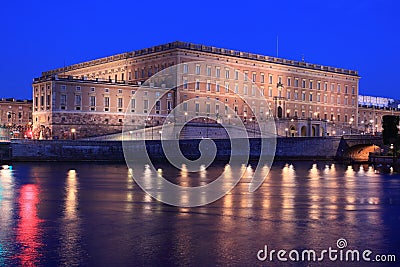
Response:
column 158, row 106
column 169, row 105
column 236, row 88
column 217, row 87
column 208, row 108
column 63, row 88
column 78, row 100
column 318, row 98
column 226, row 87
column 119, row 91
column 92, row 100
column 197, row 69
column 311, row 84
column 280, row 79
column 145, row 104
column 303, row 96
column 133, row 103
column 254, row 77
column 226, row 74
column 253, row 90
column 185, row 106
column 338, row 100
column 245, row 76
column 208, row 86
column 185, row 68
column 318, row 85
column 106, row 102
column 197, row 107
column 120, row 102
column 78, row 88
column 262, row 78
column 185, row 83
column 122, row 77
column 48, row 100
column 270, row 79
column 129, row 76
column 296, row 82
column 353, row 90
column 236, row 75
column 270, row 92
column 157, row 94
column 218, row 72
column 106, row 90
column 289, row 81
column 325, row 86
column 296, row 95
column 245, row 89
column 346, row 89
column 208, row 71
column 136, row 74
column 63, row 100
column 338, row 88
column 325, row 99
column 197, row 85
column 332, row 87
column 133, row 92
column 303, row 83
column 288, row 94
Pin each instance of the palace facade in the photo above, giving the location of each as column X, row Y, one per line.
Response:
column 90, row 98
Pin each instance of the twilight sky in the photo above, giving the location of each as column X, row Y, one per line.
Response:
column 361, row 34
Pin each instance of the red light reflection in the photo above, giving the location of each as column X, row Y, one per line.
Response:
column 28, row 225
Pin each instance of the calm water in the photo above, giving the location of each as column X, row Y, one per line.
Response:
column 95, row 214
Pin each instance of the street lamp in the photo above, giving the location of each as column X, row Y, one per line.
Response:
column 350, row 123
column 185, row 115
column 160, row 132
column 229, row 119
column 73, row 132
column 372, row 125
column 286, row 131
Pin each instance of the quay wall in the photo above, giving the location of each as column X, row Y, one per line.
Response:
column 307, row 148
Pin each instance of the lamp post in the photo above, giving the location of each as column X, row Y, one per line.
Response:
column 350, row 123
column 229, row 119
column 150, row 125
column 73, row 132
column 160, row 132
column 185, row 116
column 372, row 126
column 286, row 131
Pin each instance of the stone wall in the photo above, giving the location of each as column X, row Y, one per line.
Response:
column 74, row 150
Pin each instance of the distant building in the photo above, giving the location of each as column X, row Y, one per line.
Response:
column 16, row 116
column 376, row 101
column 306, row 99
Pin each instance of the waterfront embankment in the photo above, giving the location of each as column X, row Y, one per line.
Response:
column 304, row 148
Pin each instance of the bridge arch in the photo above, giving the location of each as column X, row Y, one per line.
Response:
column 361, row 152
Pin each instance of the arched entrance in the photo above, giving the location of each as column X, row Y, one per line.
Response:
column 313, row 131
column 292, row 131
column 280, row 112
column 303, row 131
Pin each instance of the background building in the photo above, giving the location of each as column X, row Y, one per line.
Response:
column 306, row 99
column 15, row 117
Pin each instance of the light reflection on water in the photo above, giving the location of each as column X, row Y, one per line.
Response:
column 95, row 214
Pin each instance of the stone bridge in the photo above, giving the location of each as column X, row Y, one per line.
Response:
column 358, row 147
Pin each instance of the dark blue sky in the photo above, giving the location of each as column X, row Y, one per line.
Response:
column 363, row 35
